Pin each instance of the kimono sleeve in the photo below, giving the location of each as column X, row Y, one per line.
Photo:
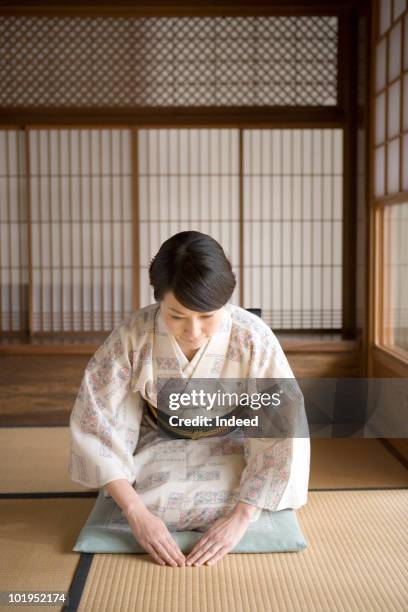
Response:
column 105, row 420
column 277, row 469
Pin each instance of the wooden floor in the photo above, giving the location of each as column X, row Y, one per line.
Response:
column 40, row 389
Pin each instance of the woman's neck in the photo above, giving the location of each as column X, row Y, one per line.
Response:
column 189, row 353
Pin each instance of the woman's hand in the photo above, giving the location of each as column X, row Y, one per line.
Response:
column 222, row 536
column 151, row 533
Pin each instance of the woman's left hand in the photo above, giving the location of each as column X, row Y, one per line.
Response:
column 222, row 536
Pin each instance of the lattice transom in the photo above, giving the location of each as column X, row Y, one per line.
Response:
column 101, row 62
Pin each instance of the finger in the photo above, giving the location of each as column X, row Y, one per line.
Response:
column 195, row 553
column 173, row 543
column 153, row 554
column 176, row 550
column 198, row 548
column 218, row 555
column 207, row 553
column 165, row 552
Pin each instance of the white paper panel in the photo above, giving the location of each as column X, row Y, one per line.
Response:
column 380, row 65
column 399, row 8
column 293, row 226
column 380, row 171
column 394, row 52
column 405, row 164
column 394, row 109
column 405, row 98
column 81, row 214
column 380, row 118
column 292, row 211
column 385, row 15
column 395, row 275
column 393, row 166
column 188, row 180
column 405, row 45
column 13, row 232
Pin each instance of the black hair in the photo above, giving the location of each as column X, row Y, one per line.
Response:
column 195, row 268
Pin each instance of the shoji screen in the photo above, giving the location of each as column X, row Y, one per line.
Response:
column 188, row 179
column 290, row 219
column 293, row 227
column 81, row 228
column 280, row 222
column 391, row 100
column 13, row 233
column 390, row 188
column 395, row 245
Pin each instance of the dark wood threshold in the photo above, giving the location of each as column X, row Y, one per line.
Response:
column 313, row 345
column 46, row 344
column 40, row 418
column 316, row 341
column 394, row 451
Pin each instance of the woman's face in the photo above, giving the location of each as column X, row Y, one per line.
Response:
column 190, row 328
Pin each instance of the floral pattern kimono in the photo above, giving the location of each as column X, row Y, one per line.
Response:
column 188, row 483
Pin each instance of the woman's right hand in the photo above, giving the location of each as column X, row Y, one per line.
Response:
column 151, row 533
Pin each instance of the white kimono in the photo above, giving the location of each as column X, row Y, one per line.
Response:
column 188, row 483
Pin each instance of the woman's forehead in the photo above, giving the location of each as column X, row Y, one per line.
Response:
column 174, row 305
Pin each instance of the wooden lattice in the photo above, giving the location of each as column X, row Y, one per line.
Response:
column 100, row 62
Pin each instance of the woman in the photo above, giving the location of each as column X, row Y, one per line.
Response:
column 218, row 484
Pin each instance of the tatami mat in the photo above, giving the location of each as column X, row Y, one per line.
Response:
column 35, row 459
column 36, row 541
column 356, row 561
column 356, row 558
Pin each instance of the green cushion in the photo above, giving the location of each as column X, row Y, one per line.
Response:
column 107, row 531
